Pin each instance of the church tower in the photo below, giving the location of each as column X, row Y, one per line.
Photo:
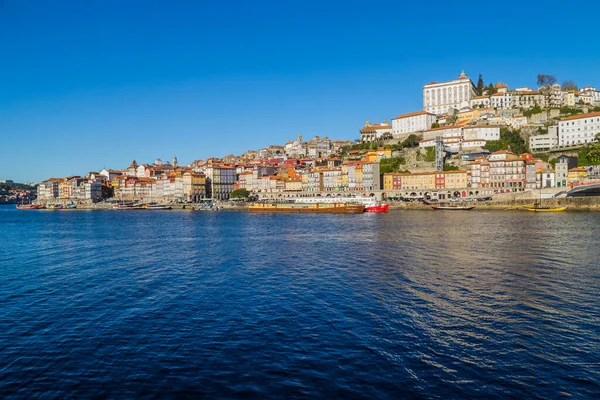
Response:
column 175, row 161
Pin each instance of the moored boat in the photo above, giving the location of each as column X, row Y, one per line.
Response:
column 27, row 207
column 302, row 208
column 151, row 206
column 377, row 208
column 454, row 208
column 128, row 207
column 546, row 209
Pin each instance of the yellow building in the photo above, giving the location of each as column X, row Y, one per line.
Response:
column 466, row 115
column 576, row 175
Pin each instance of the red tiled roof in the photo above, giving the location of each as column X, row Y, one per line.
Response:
column 413, row 114
column 580, row 116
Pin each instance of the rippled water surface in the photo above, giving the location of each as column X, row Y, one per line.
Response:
column 154, row 304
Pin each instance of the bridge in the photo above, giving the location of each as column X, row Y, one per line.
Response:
column 585, row 191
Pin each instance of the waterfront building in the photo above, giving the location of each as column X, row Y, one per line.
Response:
column 49, row 189
column 576, row 175
column 561, row 174
column 194, row 186
column 445, row 97
column 372, row 132
column 220, row 180
column 332, row 180
column 507, row 171
column 392, row 181
column 293, row 184
column 478, row 173
column 371, row 176
column 578, row 129
column 404, row 125
column 546, row 179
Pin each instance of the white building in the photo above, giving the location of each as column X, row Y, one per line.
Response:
column 578, row 129
column 405, row 124
column 443, row 97
column 545, row 141
column 481, row 132
column 501, row 100
column 371, row 132
column 480, row 102
column 590, row 92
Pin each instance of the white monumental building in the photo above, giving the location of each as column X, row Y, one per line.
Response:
column 578, row 129
column 405, row 124
column 443, row 97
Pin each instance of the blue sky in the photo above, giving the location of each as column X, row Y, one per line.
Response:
column 95, row 83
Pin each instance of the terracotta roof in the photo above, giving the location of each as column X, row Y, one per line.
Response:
column 413, row 114
column 580, row 116
column 441, row 128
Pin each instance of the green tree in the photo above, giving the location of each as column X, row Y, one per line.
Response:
column 509, row 140
column 387, row 136
column 411, row 141
column 491, row 89
column 450, row 167
column 593, row 154
column 239, row 194
column 392, row 164
column 480, row 86
column 435, row 125
column 597, row 137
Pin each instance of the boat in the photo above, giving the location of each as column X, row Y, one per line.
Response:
column 54, row 207
column 302, row 208
column 454, row 208
column 371, row 204
column 377, row 208
column 153, row 206
column 538, row 208
column 128, row 207
column 71, row 206
column 27, row 207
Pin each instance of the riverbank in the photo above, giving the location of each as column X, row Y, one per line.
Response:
column 572, row 204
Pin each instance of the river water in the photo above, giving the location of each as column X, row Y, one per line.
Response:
column 422, row 304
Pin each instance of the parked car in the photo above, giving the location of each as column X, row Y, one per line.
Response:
column 454, row 199
column 467, row 199
column 488, row 198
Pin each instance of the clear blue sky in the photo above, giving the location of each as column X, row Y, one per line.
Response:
column 94, row 83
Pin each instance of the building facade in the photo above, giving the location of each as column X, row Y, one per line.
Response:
column 445, row 97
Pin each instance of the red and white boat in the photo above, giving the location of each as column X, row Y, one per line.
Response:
column 27, row 207
column 377, row 208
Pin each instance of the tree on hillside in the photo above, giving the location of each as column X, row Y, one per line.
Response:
column 491, row 89
column 480, row 86
column 569, row 85
column 411, row 141
column 597, row 137
column 435, row 125
column 546, row 80
column 594, row 154
column 545, row 83
column 387, row 136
